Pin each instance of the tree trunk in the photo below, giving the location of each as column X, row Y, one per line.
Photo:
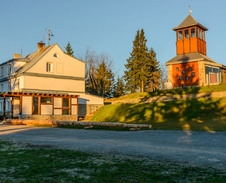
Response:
column 142, row 86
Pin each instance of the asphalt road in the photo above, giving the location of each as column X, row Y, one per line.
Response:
column 195, row 148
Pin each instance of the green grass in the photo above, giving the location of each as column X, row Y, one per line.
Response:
column 28, row 163
column 208, row 114
column 180, row 91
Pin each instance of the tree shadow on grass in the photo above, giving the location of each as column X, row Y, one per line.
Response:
column 206, row 114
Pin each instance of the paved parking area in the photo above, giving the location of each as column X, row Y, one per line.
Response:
column 198, row 148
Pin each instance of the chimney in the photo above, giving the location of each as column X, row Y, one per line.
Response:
column 15, row 56
column 41, row 46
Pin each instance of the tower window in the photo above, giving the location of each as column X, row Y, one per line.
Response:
column 180, row 35
column 180, row 78
column 193, row 74
column 183, row 72
column 200, row 34
column 186, row 78
column 189, row 68
column 177, row 69
column 186, row 33
column 193, row 32
column 197, row 32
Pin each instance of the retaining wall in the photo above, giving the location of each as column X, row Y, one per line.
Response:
column 71, row 123
column 173, row 97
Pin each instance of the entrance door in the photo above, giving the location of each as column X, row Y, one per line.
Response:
column 213, row 78
column 35, row 106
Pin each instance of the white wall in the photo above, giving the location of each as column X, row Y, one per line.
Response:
column 74, row 100
column 57, row 111
column 26, row 105
column 41, row 83
column 73, row 110
column 46, row 109
column 57, row 102
column 11, row 85
column 10, row 68
column 89, row 99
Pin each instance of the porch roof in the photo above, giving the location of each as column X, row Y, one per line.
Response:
column 14, row 94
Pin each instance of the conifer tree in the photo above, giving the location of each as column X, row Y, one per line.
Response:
column 153, row 82
column 119, row 87
column 104, row 80
column 69, row 50
column 130, row 73
column 142, row 66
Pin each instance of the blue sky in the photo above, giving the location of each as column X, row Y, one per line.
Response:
column 108, row 26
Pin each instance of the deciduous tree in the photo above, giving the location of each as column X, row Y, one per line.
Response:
column 99, row 74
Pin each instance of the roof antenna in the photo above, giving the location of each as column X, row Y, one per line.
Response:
column 21, row 51
column 50, row 34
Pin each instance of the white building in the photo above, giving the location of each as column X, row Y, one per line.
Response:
column 45, row 83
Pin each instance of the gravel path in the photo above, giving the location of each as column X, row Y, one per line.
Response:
column 198, row 148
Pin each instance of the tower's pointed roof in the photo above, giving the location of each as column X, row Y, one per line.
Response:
column 188, row 22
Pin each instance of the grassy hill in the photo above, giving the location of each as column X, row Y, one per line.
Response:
column 208, row 114
column 180, row 91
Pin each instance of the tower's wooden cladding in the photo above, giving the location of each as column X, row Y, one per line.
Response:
column 191, row 40
column 190, row 37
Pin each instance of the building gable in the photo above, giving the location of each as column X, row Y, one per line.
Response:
column 54, row 61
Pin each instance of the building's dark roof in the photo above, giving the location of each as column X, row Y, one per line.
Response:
column 188, row 22
column 189, row 57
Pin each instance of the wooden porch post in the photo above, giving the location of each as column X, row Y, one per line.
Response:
column 39, row 105
column 77, row 108
column 20, row 105
column 12, row 103
column 4, row 115
column 70, row 106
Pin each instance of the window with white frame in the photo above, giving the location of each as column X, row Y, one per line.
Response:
column 2, row 71
column 9, row 69
column 1, row 87
column 1, row 106
column 49, row 67
column 8, row 105
column 9, row 86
